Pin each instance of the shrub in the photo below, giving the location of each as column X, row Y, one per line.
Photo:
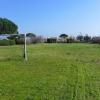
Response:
column 5, row 42
column 19, row 41
column 87, row 38
column 12, row 42
column 77, row 41
column 80, row 37
column 95, row 40
column 39, row 39
column 22, row 40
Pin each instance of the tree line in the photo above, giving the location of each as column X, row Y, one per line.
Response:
column 9, row 27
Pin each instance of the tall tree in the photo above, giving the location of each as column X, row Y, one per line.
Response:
column 8, row 27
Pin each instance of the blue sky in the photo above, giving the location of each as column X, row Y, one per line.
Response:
column 53, row 17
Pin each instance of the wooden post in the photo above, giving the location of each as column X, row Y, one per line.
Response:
column 25, row 51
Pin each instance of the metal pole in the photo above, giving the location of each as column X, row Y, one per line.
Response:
column 25, row 51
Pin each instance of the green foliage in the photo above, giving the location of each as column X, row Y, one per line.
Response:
column 4, row 42
column 95, row 40
column 20, row 40
column 80, row 37
column 8, row 27
column 63, row 36
column 87, row 38
column 30, row 35
column 7, row 42
column 52, row 72
column 12, row 42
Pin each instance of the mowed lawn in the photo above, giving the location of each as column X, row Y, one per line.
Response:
column 52, row 72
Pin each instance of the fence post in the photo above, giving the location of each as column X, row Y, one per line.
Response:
column 25, row 49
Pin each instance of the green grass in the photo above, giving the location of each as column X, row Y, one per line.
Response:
column 52, row 72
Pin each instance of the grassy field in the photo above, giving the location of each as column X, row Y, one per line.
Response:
column 52, row 72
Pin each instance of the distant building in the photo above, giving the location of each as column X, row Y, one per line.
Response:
column 52, row 40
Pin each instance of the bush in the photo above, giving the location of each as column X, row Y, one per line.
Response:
column 30, row 39
column 12, row 42
column 7, row 42
column 77, row 41
column 95, row 40
column 22, row 40
column 37, row 39
column 19, row 41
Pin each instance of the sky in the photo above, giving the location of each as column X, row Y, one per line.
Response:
column 52, row 17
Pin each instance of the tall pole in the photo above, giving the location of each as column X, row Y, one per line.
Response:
column 25, row 51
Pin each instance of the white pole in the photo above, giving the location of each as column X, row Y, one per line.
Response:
column 25, row 51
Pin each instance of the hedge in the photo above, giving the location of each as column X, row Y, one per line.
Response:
column 5, row 42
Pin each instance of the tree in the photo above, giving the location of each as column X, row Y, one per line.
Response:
column 80, row 37
column 87, row 38
column 63, row 36
column 30, row 35
column 8, row 27
column 95, row 40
